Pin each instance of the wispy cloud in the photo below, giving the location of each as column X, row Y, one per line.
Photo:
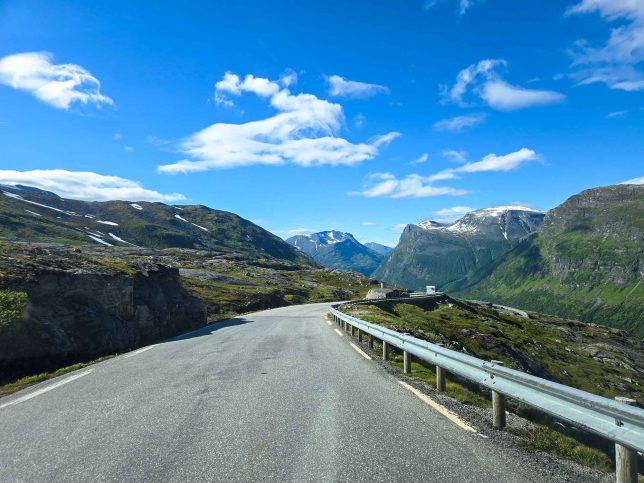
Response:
column 420, row 159
column 83, row 185
column 293, row 232
column 451, row 214
column 417, row 186
column 59, row 85
column 616, row 114
column 483, row 80
column 369, row 223
column 303, row 132
column 458, row 123
column 128, row 149
column 341, row 87
column 399, row 227
column 617, row 63
column 454, row 155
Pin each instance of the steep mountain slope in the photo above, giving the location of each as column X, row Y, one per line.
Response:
column 449, row 255
column 585, row 261
column 335, row 249
column 28, row 214
column 378, row 248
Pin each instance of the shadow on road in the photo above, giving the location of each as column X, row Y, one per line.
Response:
column 210, row 329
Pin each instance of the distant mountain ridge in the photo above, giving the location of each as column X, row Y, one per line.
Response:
column 449, row 255
column 339, row 250
column 378, row 248
column 32, row 215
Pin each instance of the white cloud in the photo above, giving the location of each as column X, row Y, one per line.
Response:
column 616, row 62
column 303, row 132
column 455, row 156
column 369, row 223
column 483, row 80
column 451, row 214
column 358, row 120
column 616, row 114
column 88, row 186
column 341, row 87
column 399, row 227
column 502, row 96
column 59, row 85
column 417, row 186
column 421, row 159
column 458, row 123
column 639, row 180
column 117, row 136
column 293, row 231
column 129, row 149
column 411, row 186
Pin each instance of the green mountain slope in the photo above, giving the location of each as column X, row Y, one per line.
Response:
column 584, row 262
column 27, row 214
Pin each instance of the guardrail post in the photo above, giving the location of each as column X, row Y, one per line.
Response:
column 385, row 350
column 440, row 379
column 406, row 362
column 359, row 335
column 625, row 458
column 370, row 341
column 498, row 406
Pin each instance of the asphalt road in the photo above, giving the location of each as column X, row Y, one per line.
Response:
column 273, row 396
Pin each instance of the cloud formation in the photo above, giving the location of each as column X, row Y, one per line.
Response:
column 483, row 80
column 616, row 62
column 84, row 185
column 420, row 159
column 451, row 214
column 341, row 87
column 417, row 186
column 458, row 123
column 303, row 132
column 59, row 85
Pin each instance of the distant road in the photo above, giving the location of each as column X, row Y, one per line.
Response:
column 277, row 395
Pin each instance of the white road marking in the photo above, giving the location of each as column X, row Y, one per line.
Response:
column 441, row 409
column 338, row 332
column 360, row 351
column 132, row 354
column 329, row 322
column 38, row 392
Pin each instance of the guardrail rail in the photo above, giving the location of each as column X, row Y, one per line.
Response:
column 620, row 420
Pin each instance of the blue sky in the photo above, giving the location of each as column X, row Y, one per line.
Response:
column 357, row 116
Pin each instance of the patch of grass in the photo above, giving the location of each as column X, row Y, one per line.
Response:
column 12, row 306
column 25, row 382
column 118, row 265
column 542, row 438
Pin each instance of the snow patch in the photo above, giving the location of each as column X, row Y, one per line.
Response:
column 18, row 197
column 33, row 213
column 110, row 223
column 181, row 218
column 201, row 227
column 100, row 240
column 91, row 217
column 114, row 237
column 136, row 207
column 499, row 210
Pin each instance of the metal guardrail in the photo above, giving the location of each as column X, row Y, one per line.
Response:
column 611, row 419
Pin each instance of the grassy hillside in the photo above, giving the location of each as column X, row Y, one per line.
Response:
column 596, row 359
column 585, row 262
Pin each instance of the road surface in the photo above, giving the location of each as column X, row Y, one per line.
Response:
column 277, row 395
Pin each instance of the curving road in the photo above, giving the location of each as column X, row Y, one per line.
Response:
column 274, row 396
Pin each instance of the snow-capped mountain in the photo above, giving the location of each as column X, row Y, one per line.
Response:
column 448, row 254
column 336, row 249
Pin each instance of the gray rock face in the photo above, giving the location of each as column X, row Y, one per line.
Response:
column 86, row 311
column 335, row 249
column 378, row 248
column 448, row 255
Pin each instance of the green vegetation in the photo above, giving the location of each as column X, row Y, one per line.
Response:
column 12, row 306
column 592, row 358
column 542, row 438
column 25, row 382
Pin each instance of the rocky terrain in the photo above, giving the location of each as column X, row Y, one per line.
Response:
column 335, row 249
column 451, row 255
column 597, row 359
column 584, row 261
